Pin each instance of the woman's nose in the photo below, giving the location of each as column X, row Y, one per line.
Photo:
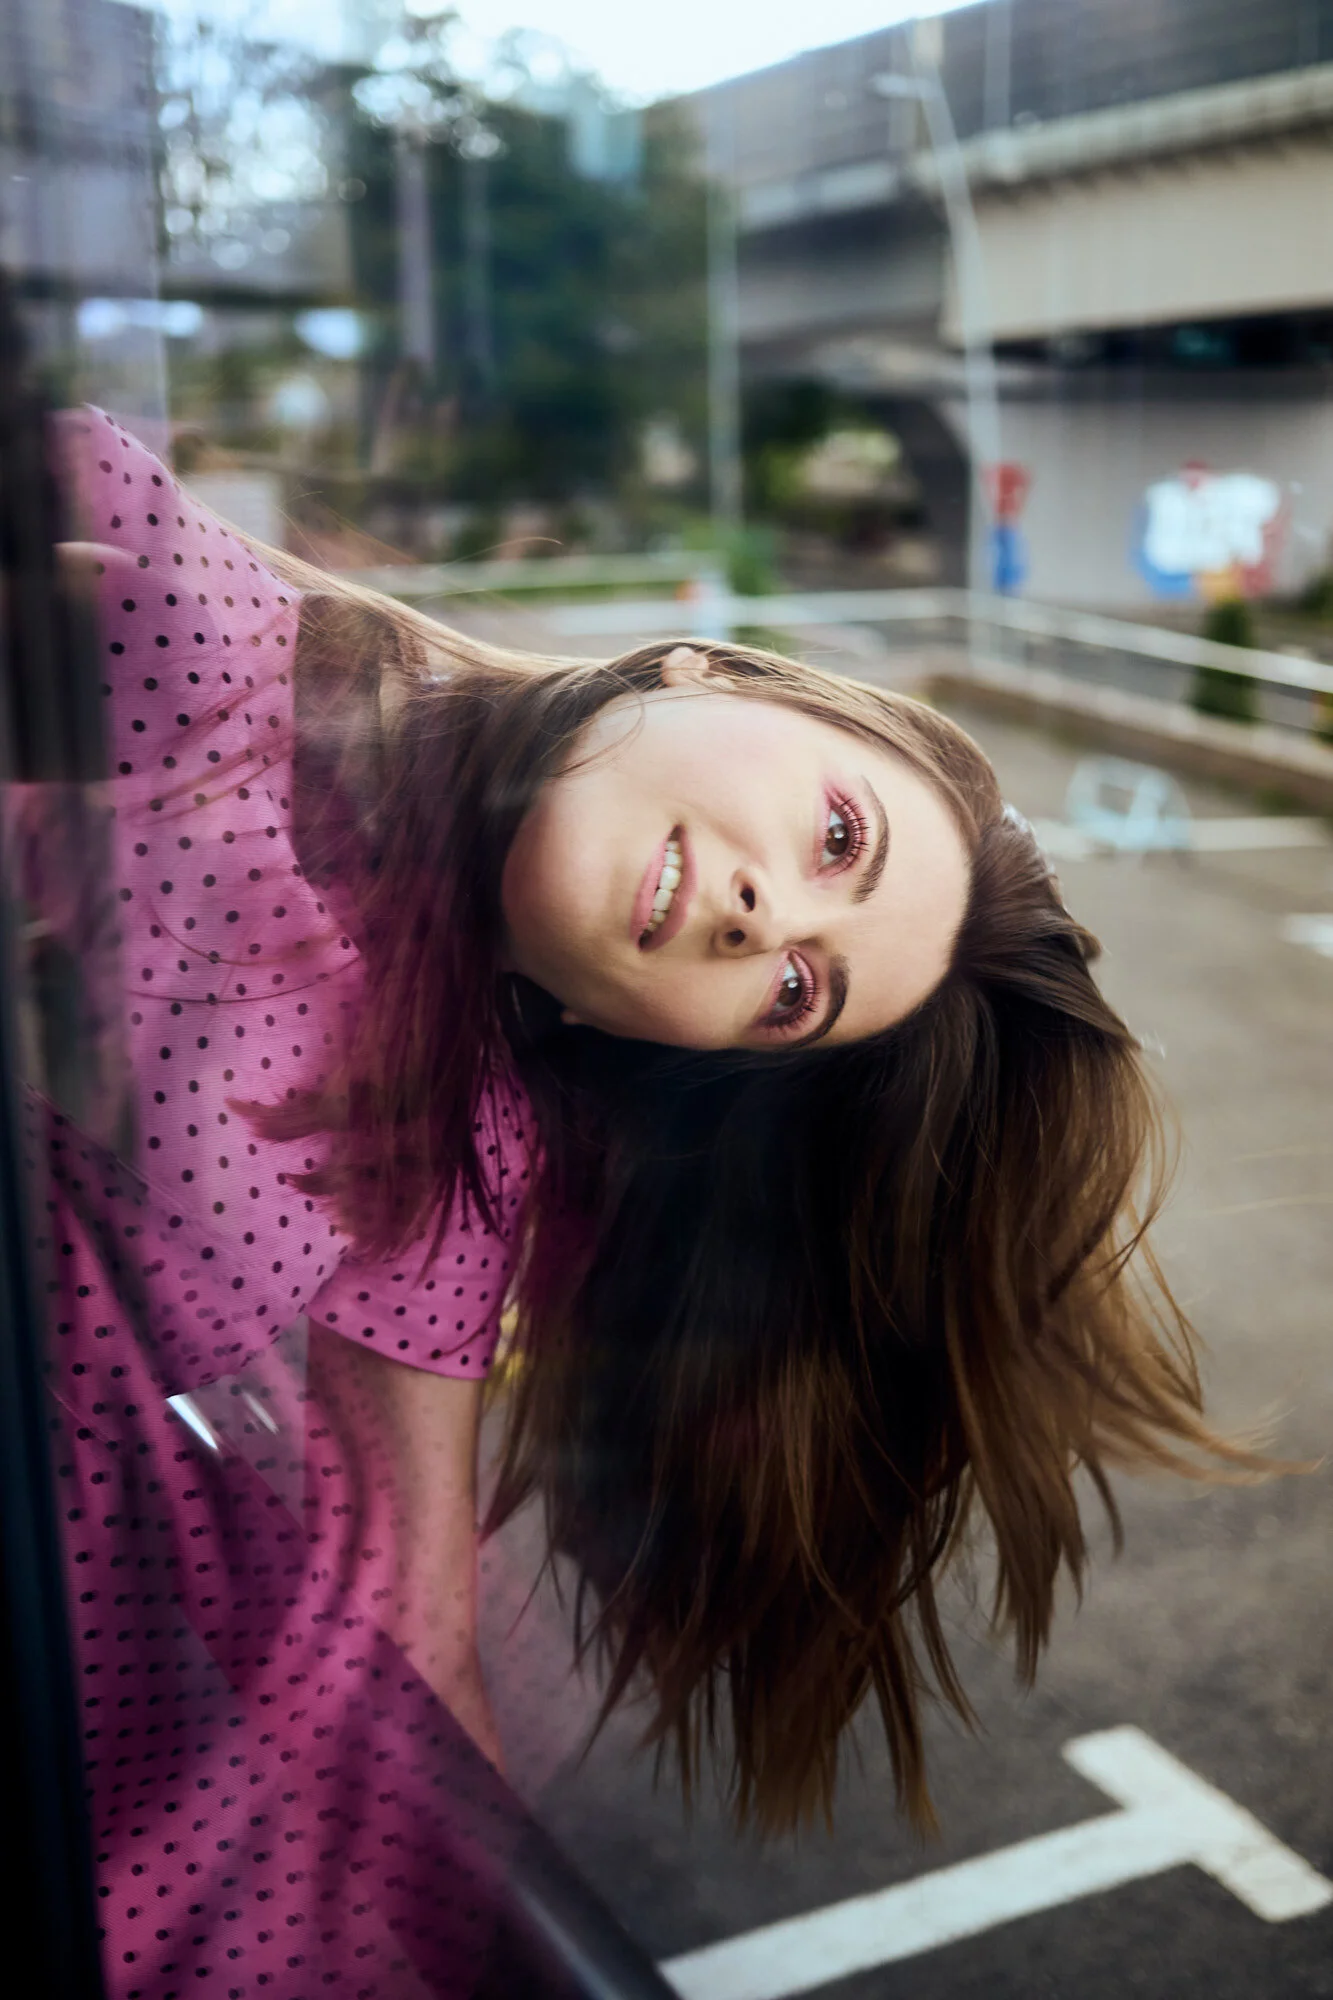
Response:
column 750, row 922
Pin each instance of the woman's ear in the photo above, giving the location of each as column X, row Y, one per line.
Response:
column 683, row 667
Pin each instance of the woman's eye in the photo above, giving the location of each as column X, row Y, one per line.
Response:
column 842, row 834
column 837, row 835
column 793, row 998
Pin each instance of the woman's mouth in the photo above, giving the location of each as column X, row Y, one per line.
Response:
column 664, row 894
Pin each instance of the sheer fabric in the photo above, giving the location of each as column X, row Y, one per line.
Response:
column 280, row 1805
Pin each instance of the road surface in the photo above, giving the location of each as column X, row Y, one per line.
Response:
column 1212, row 1635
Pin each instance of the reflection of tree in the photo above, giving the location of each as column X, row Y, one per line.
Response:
column 243, row 137
column 569, row 311
column 525, row 320
column 413, row 87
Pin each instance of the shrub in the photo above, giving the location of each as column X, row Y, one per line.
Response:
column 1323, row 718
column 1316, row 600
column 1234, row 697
column 750, row 554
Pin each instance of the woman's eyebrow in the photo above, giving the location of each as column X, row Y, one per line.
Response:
column 839, row 983
column 869, row 881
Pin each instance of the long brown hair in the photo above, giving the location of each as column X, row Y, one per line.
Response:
column 787, row 1323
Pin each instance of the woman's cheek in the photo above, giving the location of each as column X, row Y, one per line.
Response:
column 692, row 1013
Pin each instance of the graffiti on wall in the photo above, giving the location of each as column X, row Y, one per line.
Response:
column 1209, row 534
column 1007, row 488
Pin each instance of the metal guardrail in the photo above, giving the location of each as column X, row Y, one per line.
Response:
column 716, row 614
column 545, row 573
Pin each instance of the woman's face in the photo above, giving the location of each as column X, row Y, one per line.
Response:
column 714, row 871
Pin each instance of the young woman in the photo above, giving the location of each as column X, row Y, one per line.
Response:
column 713, row 1012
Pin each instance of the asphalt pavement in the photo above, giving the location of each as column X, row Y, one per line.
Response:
column 1212, row 1633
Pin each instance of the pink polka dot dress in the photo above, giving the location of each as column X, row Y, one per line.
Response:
column 278, row 1804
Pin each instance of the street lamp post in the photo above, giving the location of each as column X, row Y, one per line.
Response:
column 725, row 490
column 416, row 302
column 477, row 147
column 413, row 94
column 979, row 378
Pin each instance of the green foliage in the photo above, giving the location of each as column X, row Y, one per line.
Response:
column 750, row 556
column 765, row 639
column 569, row 312
column 747, row 556
column 784, row 424
column 580, row 316
column 782, row 421
column 1229, row 622
column 1316, row 600
column 1233, row 697
column 479, row 537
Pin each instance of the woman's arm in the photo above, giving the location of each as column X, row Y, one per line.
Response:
column 408, row 1443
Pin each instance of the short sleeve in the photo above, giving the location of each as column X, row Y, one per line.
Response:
column 447, row 1317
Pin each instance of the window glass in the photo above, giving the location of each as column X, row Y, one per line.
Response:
column 573, row 1234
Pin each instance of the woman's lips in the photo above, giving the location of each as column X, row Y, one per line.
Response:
column 643, row 902
column 680, row 901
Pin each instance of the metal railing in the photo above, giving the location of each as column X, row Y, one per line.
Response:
column 1084, row 645
column 668, row 569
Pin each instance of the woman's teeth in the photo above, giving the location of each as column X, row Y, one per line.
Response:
column 667, row 885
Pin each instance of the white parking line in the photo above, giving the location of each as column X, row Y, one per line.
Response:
column 1223, row 835
column 1170, row 1817
column 1313, row 930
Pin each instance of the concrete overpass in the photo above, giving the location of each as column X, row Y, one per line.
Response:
column 1151, row 186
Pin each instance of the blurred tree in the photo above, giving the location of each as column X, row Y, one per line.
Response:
column 242, row 139
column 570, row 311
column 533, row 302
column 1316, row 599
column 825, row 462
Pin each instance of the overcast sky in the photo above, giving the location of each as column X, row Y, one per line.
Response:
column 654, row 48
column 642, row 48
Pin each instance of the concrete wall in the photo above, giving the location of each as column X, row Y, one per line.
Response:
column 1202, row 237
column 1091, row 462
column 1002, row 62
column 847, row 275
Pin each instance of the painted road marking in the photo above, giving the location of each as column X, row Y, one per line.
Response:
column 1170, row 1817
column 1063, row 842
column 1313, row 930
column 1247, row 836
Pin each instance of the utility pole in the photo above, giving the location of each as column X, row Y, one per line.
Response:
column 477, row 148
column 979, row 378
column 416, row 302
column 724, row 376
